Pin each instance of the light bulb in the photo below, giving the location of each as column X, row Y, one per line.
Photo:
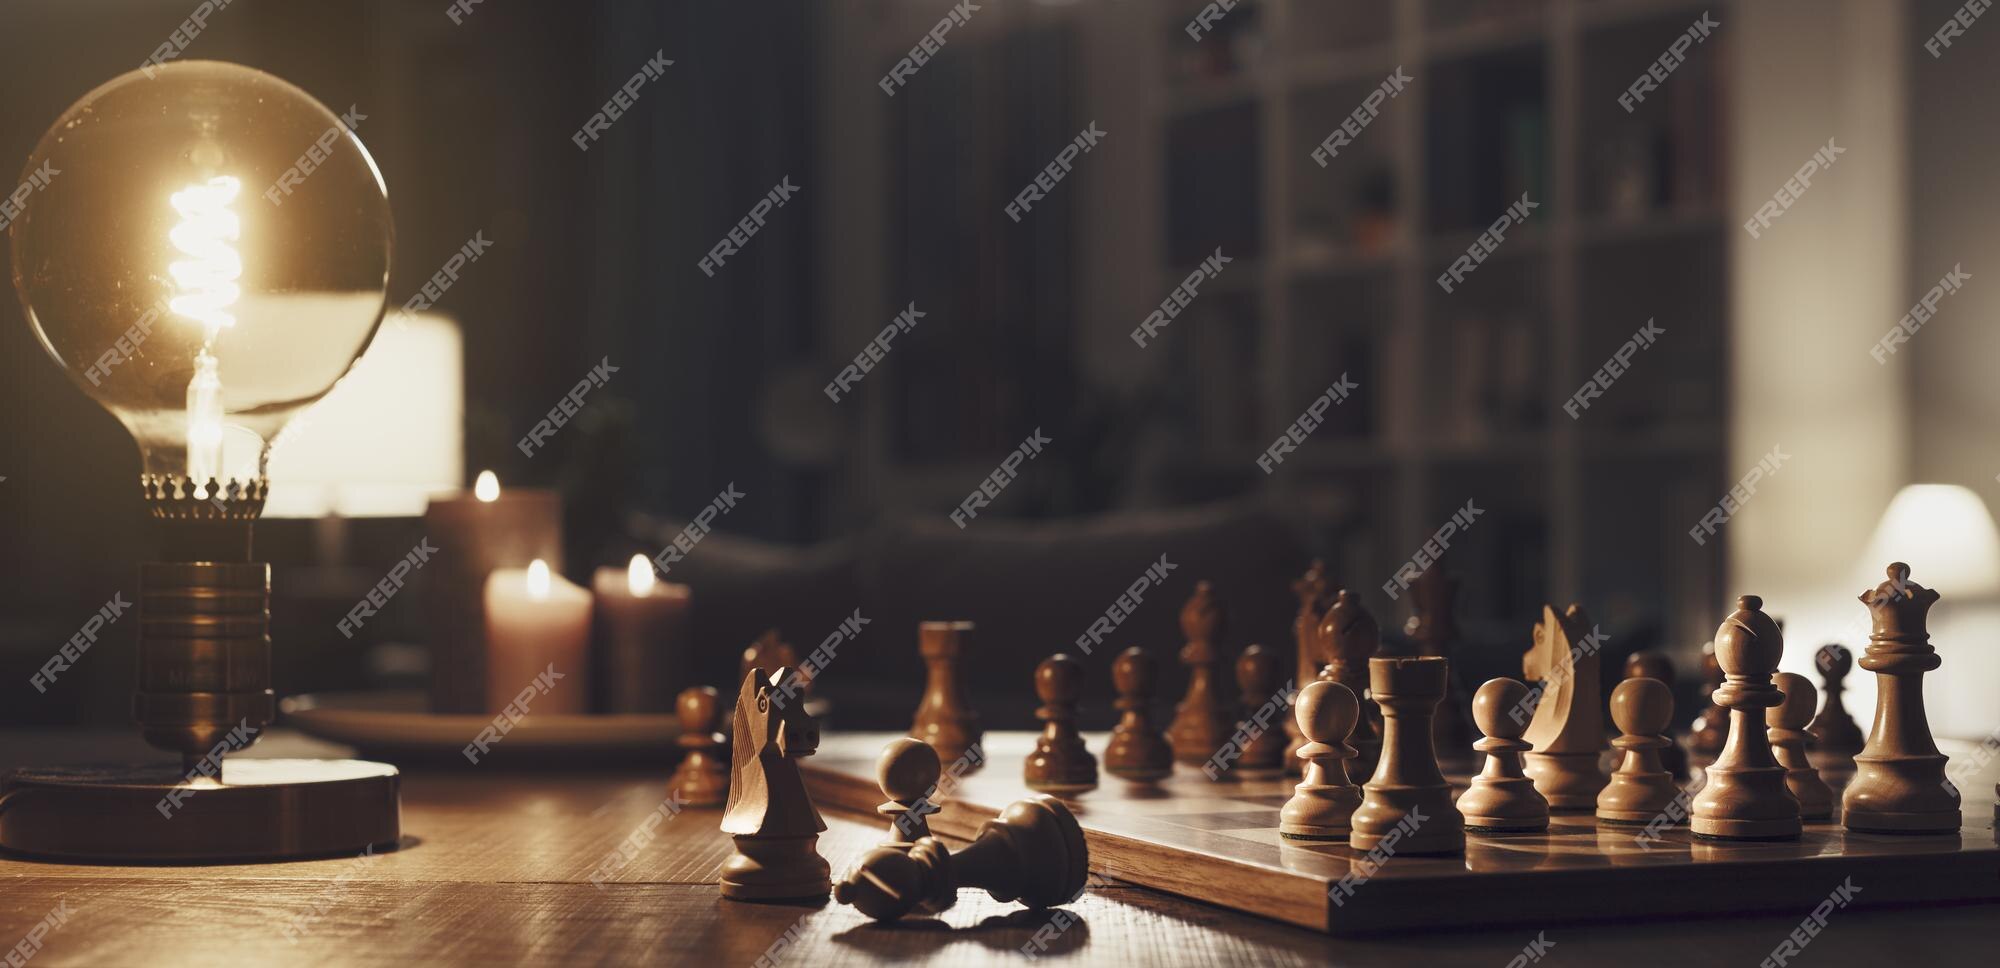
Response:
column 209, row 257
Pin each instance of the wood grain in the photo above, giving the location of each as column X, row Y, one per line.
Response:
column 499, row 869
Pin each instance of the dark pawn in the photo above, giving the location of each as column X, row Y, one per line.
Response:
column 1711, row 726
column 702, row 778
column 1653, row 665
column 1263, row 756
column 1060, row 763
column 1201, row 720
column 1138, row 751
column 908, row 773
column 1835, row 731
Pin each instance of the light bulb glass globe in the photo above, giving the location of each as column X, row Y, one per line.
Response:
column 208, row 254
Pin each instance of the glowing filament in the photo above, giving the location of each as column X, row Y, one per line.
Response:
column 206, row 235
column 204, row 420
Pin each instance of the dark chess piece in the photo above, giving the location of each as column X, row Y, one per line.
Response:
column 1786, row 725
column 1568, row 726
column 1501, row 799
column 1433, row 628
column 907, row 772
column 1323, row 803
column 1711, row 725
column 1833, row 730
column 1349, row 638
column 1060, row 763
column 770, row 816
column 1642, row 788
column 1746, row 797
column 1311, row 589
column 1263, row 749
column 944, row 718
column 1138, row 751
column 1201, row 722
column 1407, row 802
column 770, row 651
column 1033, row 852
column 1653, row 665
column 701, row 779
column 1899, row 783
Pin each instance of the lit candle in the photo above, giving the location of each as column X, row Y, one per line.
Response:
column 642, row 659
column 537, row 622
column 475, row 534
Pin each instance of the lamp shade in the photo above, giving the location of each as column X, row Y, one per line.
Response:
column 1946, row 533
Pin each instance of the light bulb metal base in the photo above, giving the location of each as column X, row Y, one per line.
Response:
column 204, row 657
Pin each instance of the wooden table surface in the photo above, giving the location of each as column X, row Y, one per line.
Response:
column 497, row 869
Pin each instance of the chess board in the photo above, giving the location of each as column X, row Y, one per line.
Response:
column 1219, row 843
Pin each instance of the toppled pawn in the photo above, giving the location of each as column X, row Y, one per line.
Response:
column 1139, row 750
column 1259, row 736
column 702, row 778
column 1787, row 729
column 1060, row 762
column 908, row 773
column 1501, row 799
column 1033, row 853
column 1323, row 804
column 1642, row 788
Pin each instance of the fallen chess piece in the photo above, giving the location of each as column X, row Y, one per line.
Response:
column 1033, row 852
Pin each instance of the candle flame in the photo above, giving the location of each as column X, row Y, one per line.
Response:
column 487, row 488
column 538, row 580
column 639, row 576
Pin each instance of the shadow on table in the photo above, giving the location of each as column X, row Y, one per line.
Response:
column 1057, row 931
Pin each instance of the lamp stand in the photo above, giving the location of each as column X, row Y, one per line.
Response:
column 204, row 692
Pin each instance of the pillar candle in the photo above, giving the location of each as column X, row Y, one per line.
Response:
column 643, row 646
column 474, row 534
column 535, row 621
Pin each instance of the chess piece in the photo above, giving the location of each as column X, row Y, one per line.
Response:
column 1407, row 803
column 1568, row 729
column 1899, row 783
column 1501, row 799
column 944, row 719
column 908, row 773
column 770, row 651
column 1323, row 803
column 1786, row 725
column 1746, row 797
column 1653, row 665
column 770, row 816
column 1201, row 724
column 1433, row 628
column 1833, row 730
column 1642, row 788
column 1311, row 589
column 1138, row 751
column 1349, row 638
column 1033, row 852
column 1711, row 725
column 701, row 779
column 1060, row 762
column 1263, row 747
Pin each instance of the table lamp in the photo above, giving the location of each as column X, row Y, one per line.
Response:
column 208, row 256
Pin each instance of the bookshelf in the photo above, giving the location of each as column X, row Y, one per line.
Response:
column 1463, row 390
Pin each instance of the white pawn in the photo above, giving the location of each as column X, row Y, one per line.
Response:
column 1787, row 728
column 1501, row 799
column 1324, row 801
column 1642, row 788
